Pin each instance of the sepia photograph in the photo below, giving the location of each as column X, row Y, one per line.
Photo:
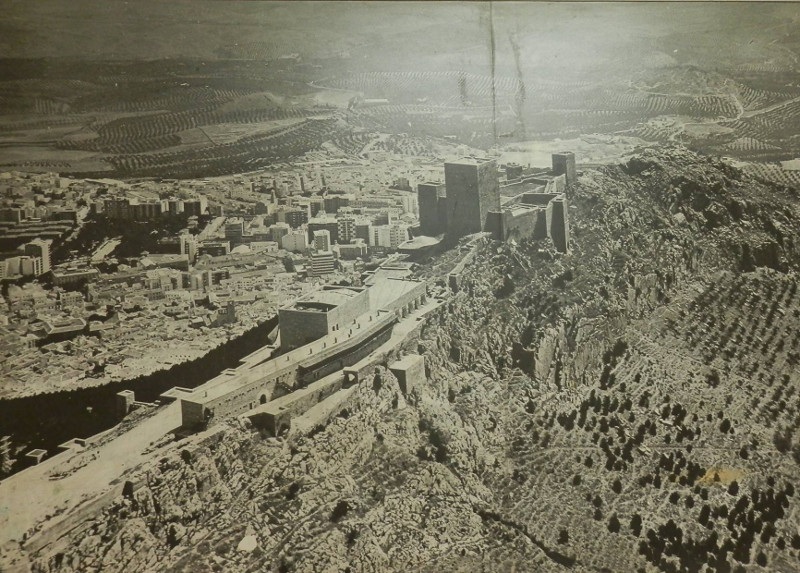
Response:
column 399, row 286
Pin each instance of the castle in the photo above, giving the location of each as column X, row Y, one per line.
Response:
column 332, row 329
column 524, row 203
column 321, row 334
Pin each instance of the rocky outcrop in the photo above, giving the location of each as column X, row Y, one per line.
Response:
column 546, row 437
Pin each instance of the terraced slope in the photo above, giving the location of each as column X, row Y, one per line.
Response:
column 632, row 406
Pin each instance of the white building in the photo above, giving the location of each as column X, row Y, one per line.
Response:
column 322, row 263
column 188, row 245
column 279, row 230
column 389, row 236
column 39, row 249
column 322, row 240
column 410, row 204
column 354, row 250
column 295, row 241
column 30, row 266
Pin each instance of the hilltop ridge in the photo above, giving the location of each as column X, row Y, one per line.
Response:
column 573, row 404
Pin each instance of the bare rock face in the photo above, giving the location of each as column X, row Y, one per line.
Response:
column 132, row 544
column 607, row 410
column 761, row 252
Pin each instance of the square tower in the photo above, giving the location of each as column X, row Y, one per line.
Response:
column 558, row 223
column 564, row 164
column 472, row 191
column 428, row 198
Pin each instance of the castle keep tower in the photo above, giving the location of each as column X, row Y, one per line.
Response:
column 473, row 190
column 564, row 164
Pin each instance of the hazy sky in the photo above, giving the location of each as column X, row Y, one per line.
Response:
column 113, row 29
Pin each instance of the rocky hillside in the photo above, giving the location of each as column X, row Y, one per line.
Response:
column 632, row 406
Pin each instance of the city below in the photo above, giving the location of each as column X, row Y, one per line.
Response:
column 374, row 287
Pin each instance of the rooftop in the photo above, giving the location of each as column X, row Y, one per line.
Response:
column 387, row 289
column 323, row 219
column 64, row 326
column 163, row 259
column 327, row 298
column 406, row 362
column 469, row 160
column 72, row 272
column 420, row 242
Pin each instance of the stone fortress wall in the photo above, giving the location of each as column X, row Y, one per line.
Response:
column 475, row 199
column 258, row 382
column 313, row 316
